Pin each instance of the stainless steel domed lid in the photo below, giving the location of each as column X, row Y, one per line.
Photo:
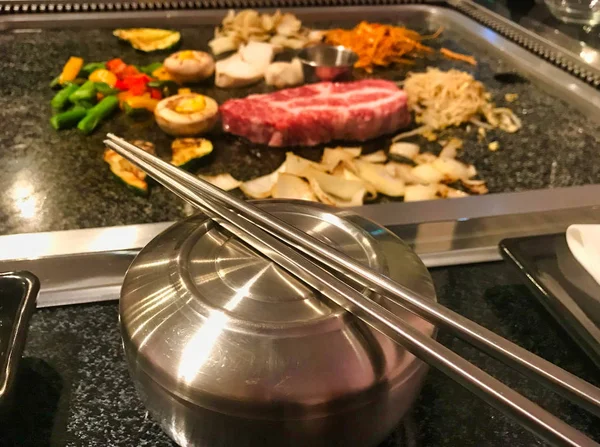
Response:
column 219, row 326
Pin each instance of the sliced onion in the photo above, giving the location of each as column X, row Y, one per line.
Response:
column 475, row 186
column 450, row 193
column 375, row 157
column 406, row 150
column 349, row 175
column 289, row 186
column 378, row 176
column 415, row 193
column 452, row 169
column 471, row 171
column 333, row 157
column 403, row 171
column 450, row 148
column 425, row 157
column 221, row 45
column 338, row 186
column 298, row 166
column 260, row 187
column 224, row 181
column 328, row 199
column 427, row 173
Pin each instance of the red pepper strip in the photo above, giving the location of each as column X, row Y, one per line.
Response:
column 155, row 93
column 137, row 89
column 129, row 70
column 121, row 85
column 116, row 66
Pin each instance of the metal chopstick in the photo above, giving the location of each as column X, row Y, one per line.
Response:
column 494, row 392
column 570, row 386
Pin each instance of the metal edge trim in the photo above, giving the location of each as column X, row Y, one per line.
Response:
column 128, row 237
column 529, row 40
column 26, row 7
column 541, row 47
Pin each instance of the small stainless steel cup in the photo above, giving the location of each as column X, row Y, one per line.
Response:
column 327, row 63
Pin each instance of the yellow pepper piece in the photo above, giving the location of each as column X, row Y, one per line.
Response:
column 191, row 105
column 71, row 69
column 183, row 91
column 142, row 102
column 162, row 74
column 102, row 75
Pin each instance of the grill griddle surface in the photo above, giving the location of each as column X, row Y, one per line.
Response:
column 57, row 180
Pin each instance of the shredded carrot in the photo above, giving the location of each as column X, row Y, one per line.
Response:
column 379, row 45
column 457, row 56
column 382, row 45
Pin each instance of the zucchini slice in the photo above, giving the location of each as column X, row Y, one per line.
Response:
column 187, row 152
column 149, row 39
column 125, row 171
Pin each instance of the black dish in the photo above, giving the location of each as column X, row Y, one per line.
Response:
column 18, row 294
column 561, row 284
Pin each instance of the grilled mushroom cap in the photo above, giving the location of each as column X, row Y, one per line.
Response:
column 186, row 115
column 190, row 66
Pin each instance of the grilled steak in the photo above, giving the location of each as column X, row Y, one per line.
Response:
column 318, row 113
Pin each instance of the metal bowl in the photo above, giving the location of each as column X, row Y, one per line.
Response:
column 227, row 349
column 322, row 63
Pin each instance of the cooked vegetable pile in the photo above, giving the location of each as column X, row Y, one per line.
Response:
column 442, row 99
column 281, row 30
column 379, row 45
column 346, row 178
column 89, row 94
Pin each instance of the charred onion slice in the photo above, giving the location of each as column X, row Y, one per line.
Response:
column 375, row 157
column 300, row 166
column 453, row 170
column 332, row 157
column 426, row 174
column 329, row 199
column 415, row 193
column 224, row 181
column 289, row 186
column 378, row 176
column 186, row 115
column 337, row 186
column 261, row 187
column 405, row 150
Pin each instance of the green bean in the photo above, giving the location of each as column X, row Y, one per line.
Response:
column 68, row 119
column 55, row 83
column 88, row 69
column 61, row 98
column 149, row 69
column 105, row 89
column 85, row 104
column 97, row 113
column 87, row 92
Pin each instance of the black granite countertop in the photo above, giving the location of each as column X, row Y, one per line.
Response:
column 74, row 387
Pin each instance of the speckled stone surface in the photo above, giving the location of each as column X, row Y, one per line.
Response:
column 57, row 180
column 74, row 387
